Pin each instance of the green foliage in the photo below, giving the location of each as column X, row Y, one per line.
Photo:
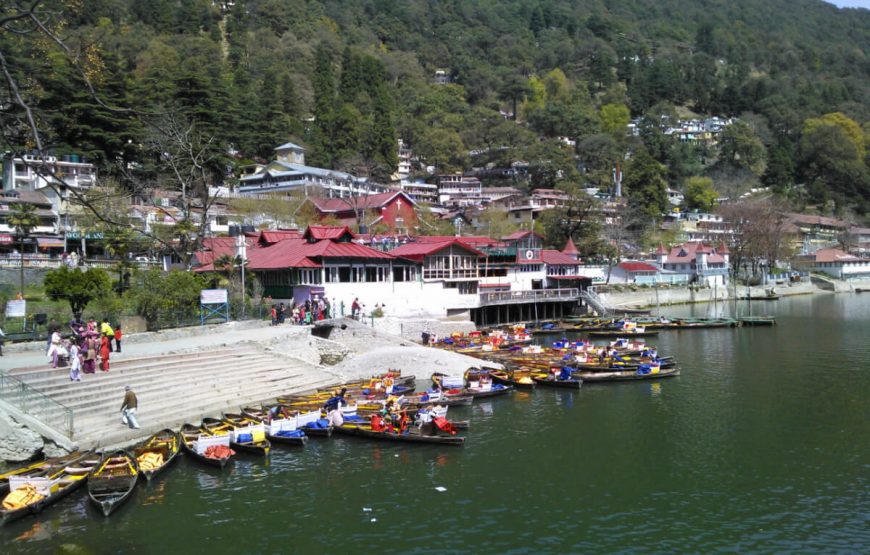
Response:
column 251, row 72
column 700, row 194
column 158, row 295
column 645, row 185
column 78, row 288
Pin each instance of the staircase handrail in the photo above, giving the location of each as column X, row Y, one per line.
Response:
column 34, row 403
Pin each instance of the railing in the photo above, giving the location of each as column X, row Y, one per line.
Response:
column 592, row 299
column 508, row 297
column 45, row 261
column 36, row 404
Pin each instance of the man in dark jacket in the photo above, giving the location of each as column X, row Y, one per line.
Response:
column 128, row 409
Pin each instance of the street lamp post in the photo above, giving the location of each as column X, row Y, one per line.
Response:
column 241, row 253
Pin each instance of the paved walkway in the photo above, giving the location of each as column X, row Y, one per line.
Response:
column 170, row 341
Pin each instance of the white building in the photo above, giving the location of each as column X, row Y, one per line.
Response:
column 288, row 172
column 834, row 262
column 32, row 173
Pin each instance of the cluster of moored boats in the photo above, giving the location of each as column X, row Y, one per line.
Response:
column 641, row 326
column 385, row 407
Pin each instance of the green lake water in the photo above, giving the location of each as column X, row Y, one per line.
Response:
column 761, row 445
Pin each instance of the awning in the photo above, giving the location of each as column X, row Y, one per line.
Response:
column 6, row 238
column 495, row 285
column 49, row 242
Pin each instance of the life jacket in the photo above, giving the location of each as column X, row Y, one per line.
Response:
column 378, row 423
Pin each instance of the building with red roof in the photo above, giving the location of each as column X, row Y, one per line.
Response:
column 834, row 262
column 696, row 260
column 395, row 211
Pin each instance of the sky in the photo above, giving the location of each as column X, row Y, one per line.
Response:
column 851, row 3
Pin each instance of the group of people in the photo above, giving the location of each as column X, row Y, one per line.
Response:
column 87, row 345
column 308, row 312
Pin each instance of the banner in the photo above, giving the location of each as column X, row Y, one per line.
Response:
column 16, row 309
column 213, row 296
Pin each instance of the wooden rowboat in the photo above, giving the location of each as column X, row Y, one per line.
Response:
column 53, row 485
column 625, row 376
column 156, row 453
column 252, row 447
column 520, row 379
column 113, row 480
column 242, row 420
column 39, row 468
column 190, row 434
column 551, row 380
column 412, row 435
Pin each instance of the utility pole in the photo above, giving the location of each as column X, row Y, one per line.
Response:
column 241, row 253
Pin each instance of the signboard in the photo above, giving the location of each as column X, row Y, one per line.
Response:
column 213, row 296
column 16, row 309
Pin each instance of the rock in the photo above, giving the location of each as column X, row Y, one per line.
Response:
column 51, row 449
column 17, row 443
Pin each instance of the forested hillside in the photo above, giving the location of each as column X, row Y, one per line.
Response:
column 346, row 78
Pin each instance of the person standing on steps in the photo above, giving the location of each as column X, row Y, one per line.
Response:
column 105, row 349
column 118, row 336
column 128, row 409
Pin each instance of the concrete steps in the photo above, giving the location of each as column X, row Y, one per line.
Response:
column 172, row 389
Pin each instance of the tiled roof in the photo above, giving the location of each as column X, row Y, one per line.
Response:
column 556, row 258
column 416, row 251
column 637, row 267
column 834, row 255
column 685, row 254
column 520, row 234
column 808, row 219
column 378, row 200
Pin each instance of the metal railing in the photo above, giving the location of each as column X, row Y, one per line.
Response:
column 508, row 297
column 36, row 404
column 592, row 299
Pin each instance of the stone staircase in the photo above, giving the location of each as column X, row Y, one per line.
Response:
column 172, row 389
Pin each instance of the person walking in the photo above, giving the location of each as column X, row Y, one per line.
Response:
column 118, row 335
column 128, row 408
column 75, row 360
column 105, row 349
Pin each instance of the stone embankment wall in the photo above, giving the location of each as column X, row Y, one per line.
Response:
column 19, row 443
column 646, row 298
column 413, row 328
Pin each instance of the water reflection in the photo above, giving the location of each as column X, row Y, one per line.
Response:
column 155, row 493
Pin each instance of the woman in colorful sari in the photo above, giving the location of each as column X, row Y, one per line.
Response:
column 104, row 353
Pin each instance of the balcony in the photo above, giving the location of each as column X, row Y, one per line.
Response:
column 527, row 296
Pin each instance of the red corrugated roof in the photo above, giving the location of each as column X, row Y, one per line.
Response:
column 270, row 237
column 416, row 251
column 328, row 232
column 215, row 247
column 556, row 258
column 637, row 267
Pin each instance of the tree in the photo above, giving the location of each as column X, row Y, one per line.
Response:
column 167, row 296
column 646, row 186
column 78, row 288
column 833, row 159
column 700, row 194
column 740, row 147
column 22, row 220
column 615, row 118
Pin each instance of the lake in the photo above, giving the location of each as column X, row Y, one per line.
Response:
column 760, row 445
